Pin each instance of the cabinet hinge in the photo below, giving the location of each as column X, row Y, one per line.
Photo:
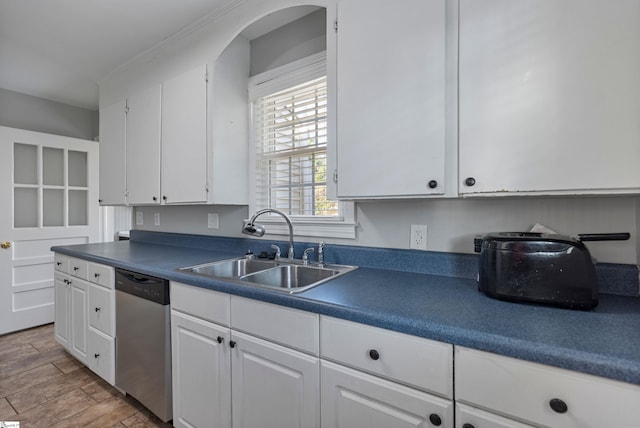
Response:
column 126, row 109
column 335, row 25
column 335, row 176
column 206, row 77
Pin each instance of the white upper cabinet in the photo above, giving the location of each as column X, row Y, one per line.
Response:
column 549, row 96
column 113, row 185
column 184, row 138
column 143, row 147
column 390, row 98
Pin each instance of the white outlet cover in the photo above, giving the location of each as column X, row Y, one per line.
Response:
column 418, row 239
column 139, row 218
column 213, row 221
column 156, row 219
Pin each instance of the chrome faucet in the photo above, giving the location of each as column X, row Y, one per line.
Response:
column 321, row 254
column 250, row 228
column 305, row 256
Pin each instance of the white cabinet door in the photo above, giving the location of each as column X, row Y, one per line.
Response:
column 201, row 373
column 390, row 98
column 353, row 399
column 549, row 96
column 113, row 183
column 101, row 355
column 273, row 386
column 184, row 138
column 143, row 147
column 78, row 321
column 61, row 313
column 470, row 417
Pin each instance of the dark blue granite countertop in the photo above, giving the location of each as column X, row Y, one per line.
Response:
column 604, row 341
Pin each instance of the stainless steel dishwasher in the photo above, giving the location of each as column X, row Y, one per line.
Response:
column 143, row 341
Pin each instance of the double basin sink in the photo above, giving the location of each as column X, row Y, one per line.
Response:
column 291, row 276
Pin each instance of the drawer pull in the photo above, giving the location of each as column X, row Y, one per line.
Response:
column 220, row 339
column 558, row 406
column 435, row 419
column 59, row 263
column 96, row 275
column 375, row 355
column 76, row 268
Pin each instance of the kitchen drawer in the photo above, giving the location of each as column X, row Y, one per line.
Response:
column 414, row 361
column 101, row 355
column 286, row 326
column 525, row 390
column 79, row 268
column 101, row 275
column 102, row 309
column 61, row 263
column 202, row 303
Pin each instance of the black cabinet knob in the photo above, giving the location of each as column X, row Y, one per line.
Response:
column 435, row 419
column 96, row 275
column 468, row 426
column 220, row 339
column 76, row 268
column 432, row 184
column 375, row 355
column 164, row 197
column 232, row 344
column 58, row 263
column 470, row 181
column 96, row 356
column 155, row 198
column 558, row 406
column 97, row 309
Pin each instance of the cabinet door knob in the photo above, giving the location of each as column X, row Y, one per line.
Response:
column 96, row 275
column 470, row 181
column 164, row 197
column 58, row 263
column 232, row 344
column 435, row 419
column 76, row 268
column 97, row 309
column 432, row 184
column 220, row 339
column 558, row 406
column 155, row 198
column 375, row 355
column 96, row 355
column 468, row 425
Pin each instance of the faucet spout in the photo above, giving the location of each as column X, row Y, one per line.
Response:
column 250, row 228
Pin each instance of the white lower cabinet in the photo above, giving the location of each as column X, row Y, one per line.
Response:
column 380, row 378
column 273, row 386
column 351, row 398
column 201, row 372
column 538, row 394
column 85, row 313
column 471, row 417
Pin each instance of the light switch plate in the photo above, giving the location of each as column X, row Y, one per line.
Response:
column 213, row 221
column 139, row 218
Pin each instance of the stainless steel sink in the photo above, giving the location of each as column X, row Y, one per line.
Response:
column 290, row 276
column 233, row 268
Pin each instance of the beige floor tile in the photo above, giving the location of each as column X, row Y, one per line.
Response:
column 100, row 415
column 16, row 351
column 29, row 378
column 47, row 342
column 13, row 367
column 60, row 409
column 50, row 390
column 67, row 364
column 144, row 419
column 100, row 390
column 6, row 411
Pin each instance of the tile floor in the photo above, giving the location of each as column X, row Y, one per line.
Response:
column 41, row 385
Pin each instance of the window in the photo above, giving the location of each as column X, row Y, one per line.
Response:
column 289, row 134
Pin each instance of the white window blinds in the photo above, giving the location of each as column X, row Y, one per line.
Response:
column 291, row 150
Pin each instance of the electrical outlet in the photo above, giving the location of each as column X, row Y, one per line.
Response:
column 139, row 218
column 418, row 237
column 213, row 221
column 156, row 219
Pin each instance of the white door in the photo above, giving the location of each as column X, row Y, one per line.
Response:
column 273, row 386
column 49, row 187
column 390, row 98
column 201, row 373
column 354, row 399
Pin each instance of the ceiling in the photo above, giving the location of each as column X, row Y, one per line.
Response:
column 60, row 49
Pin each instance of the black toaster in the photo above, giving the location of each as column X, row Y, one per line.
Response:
column 539, row 268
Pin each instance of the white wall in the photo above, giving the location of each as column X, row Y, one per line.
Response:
column 452, row 223
column 36, row 114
